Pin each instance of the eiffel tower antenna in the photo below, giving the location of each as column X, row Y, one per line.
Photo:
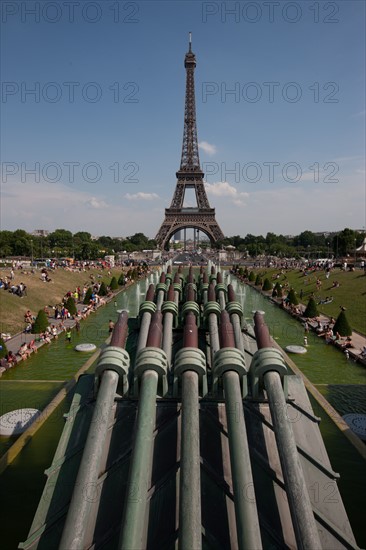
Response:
column 189, row 175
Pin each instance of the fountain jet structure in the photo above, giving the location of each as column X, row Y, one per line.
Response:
column 192, row 433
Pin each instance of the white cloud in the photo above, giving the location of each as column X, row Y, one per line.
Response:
column 95, row 203
column 286, row 210
column 224, row 189
column 48, row 206
column 141, row 196
column 207, row 148
column 347, row 159
column 359, row 114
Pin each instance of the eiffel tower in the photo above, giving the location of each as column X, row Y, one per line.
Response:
column 190, row 176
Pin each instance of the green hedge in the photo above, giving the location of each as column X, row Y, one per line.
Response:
column 311, row 309
column 267, row 285
column 41, row 322
column 88, row 294
column 342, row 325
column 292, row 298
column 71, row 306
column 103, row 290
column 113, row 284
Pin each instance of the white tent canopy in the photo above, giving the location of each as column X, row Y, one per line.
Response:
column 362, row 248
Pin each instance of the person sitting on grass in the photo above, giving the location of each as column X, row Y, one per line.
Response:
column 28, row 318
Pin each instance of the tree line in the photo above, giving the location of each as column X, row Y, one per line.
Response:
column 62, row 243
column 307, row 244
column 81, row 246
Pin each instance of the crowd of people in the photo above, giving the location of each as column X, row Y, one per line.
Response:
column 322, row 325
column 61, row 320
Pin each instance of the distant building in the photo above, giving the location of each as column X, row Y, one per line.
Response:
column 40, row 233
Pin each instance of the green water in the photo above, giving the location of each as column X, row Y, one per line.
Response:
column 339, row 380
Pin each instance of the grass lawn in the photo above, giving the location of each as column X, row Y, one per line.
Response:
column 351, row 293
column 40, row 294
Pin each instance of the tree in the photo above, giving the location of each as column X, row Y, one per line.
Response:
column 311, row 309
column 6, row 243
column 267, row 285
column 114, row 284
column 138, row 239
column 71, row 306
column 252, row 276
column 103, row 290
column 346, row 241
column 258, row 280
column 88, row 294
column 292, row 298
column 342, row 325
column 82, row 237
column 271, row 238
column 306, row 238
column 41, row 322
column 122, row 279
column 61, row 238
column 3, row 349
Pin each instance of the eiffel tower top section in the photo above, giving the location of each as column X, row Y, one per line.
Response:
column 190, row 161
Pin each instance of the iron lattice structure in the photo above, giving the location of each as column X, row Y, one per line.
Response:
column 189, row 176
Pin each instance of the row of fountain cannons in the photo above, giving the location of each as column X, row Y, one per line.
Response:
column 177, row 321
column 210, row 305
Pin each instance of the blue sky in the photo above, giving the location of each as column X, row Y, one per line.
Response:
column 280, row 97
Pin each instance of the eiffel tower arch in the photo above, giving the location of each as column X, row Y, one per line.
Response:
column 189, row 176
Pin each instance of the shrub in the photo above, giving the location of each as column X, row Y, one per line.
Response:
column 292, row 298
column 114, row 284
column 258, row 280
column 122, row 279
column 71, row 306
column 246, row 273
column 252, row 276
column 3, row 349
column 41, row 322
column 342, row 325
column 267, row 285
column 311, row 309
column 103, row 290
column 88, row 294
